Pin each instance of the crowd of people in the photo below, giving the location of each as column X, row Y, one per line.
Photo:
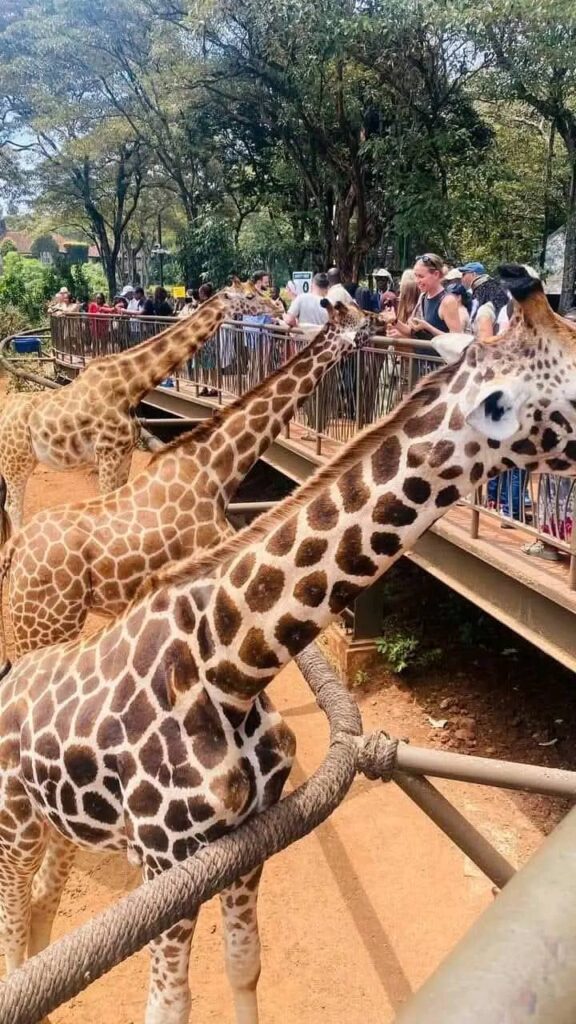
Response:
column 431, row 298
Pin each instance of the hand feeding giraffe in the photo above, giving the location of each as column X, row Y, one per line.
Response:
column 155, row 735
column 90, row 419
column 95, row 554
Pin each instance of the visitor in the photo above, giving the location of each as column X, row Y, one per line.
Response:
column 261, row 282
column 188, row 306
column 337, row 292
column 136, row 303
column 384, row 286
column 98, row 304
column 437, row 311
column 127, row 292
column 158, row 305
column 205, row 292
column 276, row 297
column 408, row 297
column 306, row 310
column 488, row 313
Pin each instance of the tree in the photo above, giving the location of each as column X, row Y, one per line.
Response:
column 532, row 49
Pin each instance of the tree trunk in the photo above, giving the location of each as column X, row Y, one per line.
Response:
column 569, row 275
column 547, row 186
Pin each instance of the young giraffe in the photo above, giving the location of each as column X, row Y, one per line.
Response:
column 156, row 736
column 90, row 419
column 94, row 554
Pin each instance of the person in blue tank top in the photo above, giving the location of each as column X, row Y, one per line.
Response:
column 438, row 311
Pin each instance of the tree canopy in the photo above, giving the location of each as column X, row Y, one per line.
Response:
column 349, row 132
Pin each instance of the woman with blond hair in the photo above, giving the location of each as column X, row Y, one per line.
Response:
column 408, row 295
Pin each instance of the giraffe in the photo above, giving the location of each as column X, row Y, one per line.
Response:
column 94, row 554
column 90, row 420
column 156, row 735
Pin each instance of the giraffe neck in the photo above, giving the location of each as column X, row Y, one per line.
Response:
column 145, row 365
column 237, row 439
column 299, row 566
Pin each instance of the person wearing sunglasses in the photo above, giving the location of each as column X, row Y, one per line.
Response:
column 438, row 311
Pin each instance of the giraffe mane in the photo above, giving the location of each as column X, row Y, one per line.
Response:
column 197, row 567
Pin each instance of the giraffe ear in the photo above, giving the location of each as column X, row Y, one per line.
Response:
column 497, row 409
column 451, row 346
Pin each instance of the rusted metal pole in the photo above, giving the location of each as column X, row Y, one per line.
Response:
column 486, row 771
column 516, row 964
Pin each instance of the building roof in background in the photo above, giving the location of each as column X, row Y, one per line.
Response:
column 23, row 242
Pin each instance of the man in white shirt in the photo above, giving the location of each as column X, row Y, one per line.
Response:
column 306, row 309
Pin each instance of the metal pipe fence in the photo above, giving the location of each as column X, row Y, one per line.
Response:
column 359, row 390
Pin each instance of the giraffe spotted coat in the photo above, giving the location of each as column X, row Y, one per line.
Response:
column 155, row 735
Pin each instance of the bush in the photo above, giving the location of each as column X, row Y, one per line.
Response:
column 12, row 320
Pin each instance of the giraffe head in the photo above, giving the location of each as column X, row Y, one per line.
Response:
column 354, row 325
column 518, row 389
column 242, row 299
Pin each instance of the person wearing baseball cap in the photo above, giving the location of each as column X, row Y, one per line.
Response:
column 471, row 271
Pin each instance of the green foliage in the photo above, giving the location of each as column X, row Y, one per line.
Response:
column 206, row 251
column 44, row 243
column 26, row 285
column 12, row 320
column 6, row 246
column 403, row 647
column 95, row 278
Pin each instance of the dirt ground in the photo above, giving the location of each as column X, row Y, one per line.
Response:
column 361, row 912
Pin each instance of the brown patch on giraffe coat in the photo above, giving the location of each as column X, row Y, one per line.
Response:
column 205, row 639
column 416, row 489
column 254, row 651
column 152, row 638
column 456, row 421
column 386, row 460
column 354, row 491
column 471, row 448
column 451, row 472
column 153, row 837
column 447, row 496
column 442, row 451
column 184, row 617
column 145, row 800
column 223, row 462
column 242, row 571
column 175, row 675
column 232, row 790
column 295, row 634
column 476, row 472
column 311, row 589
column 460, row 382
column 343, row 593
column 88, row 715
column 384, row 542
column 99, row 808
column 245, row 442
column 80, row 764
column 310, row 551
column 123, row 693
column 322, row 513
column 228, row 678
column 349, row 555
column 282, row 540
column 203, row 725
column 417, row 426
column 264, row 589
column 227, row 618
column 524, row 447
column 138, row 716
column 391, row 510
column 418, row 453
column 177, row 819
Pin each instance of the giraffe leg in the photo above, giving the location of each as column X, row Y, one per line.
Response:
column 242, row 944
column 47, row 889
column 169, row 999
column 113, row 468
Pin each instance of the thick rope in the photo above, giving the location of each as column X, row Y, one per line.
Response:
column 69, row 965
column 377, row 756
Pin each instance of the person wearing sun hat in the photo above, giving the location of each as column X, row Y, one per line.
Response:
column 471, row 272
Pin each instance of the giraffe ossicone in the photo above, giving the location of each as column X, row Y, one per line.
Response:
column 156, row 734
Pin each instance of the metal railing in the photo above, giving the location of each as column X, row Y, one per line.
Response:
column 359, row 390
